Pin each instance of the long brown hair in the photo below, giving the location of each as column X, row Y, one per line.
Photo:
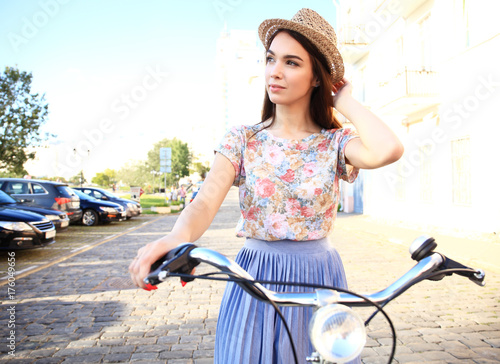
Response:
column 321, row 105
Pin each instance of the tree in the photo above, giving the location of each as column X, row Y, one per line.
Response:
column 106, row 178
column 78, row 179
column 58, row 179
column 201, row 169
column 135, row 173
column 138, row 173
column 22, row 113
column 181, row 159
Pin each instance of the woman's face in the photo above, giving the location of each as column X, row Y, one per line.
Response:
column 289, row 73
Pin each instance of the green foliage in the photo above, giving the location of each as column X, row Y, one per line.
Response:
column 78, row 180
column 57, row 178
column 7, row 174
column 21, row 116
column 138, row 173
column 181, row 159
column 106, row 178
column 201, row 168
column 134, row 174
column 151, row 200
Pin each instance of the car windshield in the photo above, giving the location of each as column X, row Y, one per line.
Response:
column 109, row 194
column 5, row 198
column 83, row 196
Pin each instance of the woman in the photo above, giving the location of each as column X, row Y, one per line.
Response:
column 287, row 168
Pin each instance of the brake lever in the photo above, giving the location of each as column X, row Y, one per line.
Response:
column 475, row 275
column 175, row 261
column 424, row 245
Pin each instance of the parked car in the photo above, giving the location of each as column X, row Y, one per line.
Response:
column 24, row 229
column 133, row 208
column 95, row 211
column 59, row 218
column 53, row 195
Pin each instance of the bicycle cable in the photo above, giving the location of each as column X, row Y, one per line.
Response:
column 289, row 333
column 208, row 276
column 235, row 279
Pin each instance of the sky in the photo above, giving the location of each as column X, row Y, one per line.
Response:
column 120, row 76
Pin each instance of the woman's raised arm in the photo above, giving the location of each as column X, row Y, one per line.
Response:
column 377, row 144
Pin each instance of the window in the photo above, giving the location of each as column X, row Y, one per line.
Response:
column 461, row 170
column 400, row 183
column 477, row 20
column 38, row 189
column 425, row 173
column 17, row 188
column 65, row 191
column 425, row 43
column 90, row 193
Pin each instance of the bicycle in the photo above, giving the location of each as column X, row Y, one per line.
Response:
column 337, row 333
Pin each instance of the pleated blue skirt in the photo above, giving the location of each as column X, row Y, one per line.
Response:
column 250, row 331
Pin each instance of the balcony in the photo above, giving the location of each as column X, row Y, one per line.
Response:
column 407, row 92
column 353, row 35
column 354, row 43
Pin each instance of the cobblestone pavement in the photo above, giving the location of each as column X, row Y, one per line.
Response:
column 83, row 309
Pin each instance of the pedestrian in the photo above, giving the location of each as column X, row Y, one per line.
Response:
column 182, row 194
column 287, row 168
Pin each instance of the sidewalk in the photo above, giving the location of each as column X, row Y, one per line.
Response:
column 85, row 310
column 479, row 250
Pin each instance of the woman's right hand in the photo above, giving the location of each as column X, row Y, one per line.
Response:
column 140, row 266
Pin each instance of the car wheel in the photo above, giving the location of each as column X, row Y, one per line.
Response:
column 90, row 218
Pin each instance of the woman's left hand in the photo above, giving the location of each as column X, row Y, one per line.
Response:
column 341, row 89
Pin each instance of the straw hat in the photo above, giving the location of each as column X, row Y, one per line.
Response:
column 311, row 25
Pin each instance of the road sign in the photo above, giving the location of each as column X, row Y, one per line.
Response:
column 165, row 160
column 165, row 154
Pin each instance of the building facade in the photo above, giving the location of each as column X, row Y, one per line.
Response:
column 240, row 63
column 429, row 68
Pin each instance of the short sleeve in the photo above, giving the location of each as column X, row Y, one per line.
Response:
column 345, row 171
column 232, row 147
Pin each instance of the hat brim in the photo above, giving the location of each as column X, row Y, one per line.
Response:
column 329, row 50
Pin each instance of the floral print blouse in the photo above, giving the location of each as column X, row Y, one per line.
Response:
column 289, row 189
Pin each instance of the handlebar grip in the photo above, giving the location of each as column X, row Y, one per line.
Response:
column 175, row 261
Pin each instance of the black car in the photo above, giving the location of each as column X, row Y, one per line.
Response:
column 95, row 211
column 133, row 208
column 53, row 195
column 58, row 218
column 24, row 229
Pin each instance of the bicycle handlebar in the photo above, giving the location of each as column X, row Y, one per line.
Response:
column 430, row 265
